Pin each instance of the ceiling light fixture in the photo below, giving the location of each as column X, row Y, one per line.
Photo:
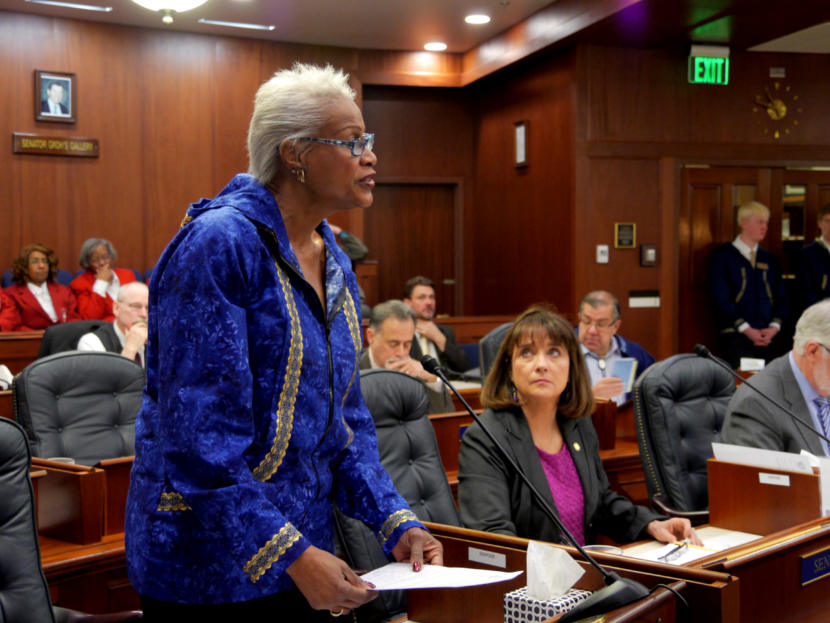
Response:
column 477, row 18
column 435, row 46
column 216, row 22
column 73, row 5
column 168, row 7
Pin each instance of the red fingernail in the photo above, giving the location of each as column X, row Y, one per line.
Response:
column 416, row 565
column 370, row 585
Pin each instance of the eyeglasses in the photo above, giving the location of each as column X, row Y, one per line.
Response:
column 823, row 346
column 676, row 553
column 137, row 307
column 599, row 324
column 357, row 146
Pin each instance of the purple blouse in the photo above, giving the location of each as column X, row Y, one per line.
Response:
column 566, row 489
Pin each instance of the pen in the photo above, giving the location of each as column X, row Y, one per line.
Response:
column 674, row 553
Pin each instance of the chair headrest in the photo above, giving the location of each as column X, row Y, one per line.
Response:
column 392, row 397
column 685, row 377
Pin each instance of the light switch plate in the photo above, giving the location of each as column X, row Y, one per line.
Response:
column 602, row 254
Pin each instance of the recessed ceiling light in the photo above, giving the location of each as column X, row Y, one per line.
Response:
column 477, row 19
column 72, row 5
column 216, row 22
column 435, row 46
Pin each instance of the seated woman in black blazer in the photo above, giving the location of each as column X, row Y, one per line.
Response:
column 539, row 402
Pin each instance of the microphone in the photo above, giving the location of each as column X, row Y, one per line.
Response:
column 705, row 353
column 617, row 591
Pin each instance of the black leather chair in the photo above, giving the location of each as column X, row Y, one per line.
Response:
column 409, row 452
column 24, row 594
column 488, row 347
column 79, row 404
column 62, row 337
column 679, row 406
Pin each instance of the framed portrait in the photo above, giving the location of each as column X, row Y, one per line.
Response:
column 55, row 96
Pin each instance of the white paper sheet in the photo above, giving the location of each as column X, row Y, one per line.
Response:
column 714, row 540
column 399, row 575
column 770, row 459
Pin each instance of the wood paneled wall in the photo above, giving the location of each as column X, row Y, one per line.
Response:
column 170, row 110
column 524, row 238
column 639, row 122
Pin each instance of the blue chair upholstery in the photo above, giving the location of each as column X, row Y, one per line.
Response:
column 679, row 407
column 488, row 347
column 63, row 277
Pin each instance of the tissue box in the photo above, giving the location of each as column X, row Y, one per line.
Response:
column 519, row 608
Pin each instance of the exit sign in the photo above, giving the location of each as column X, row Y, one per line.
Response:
column 709, row 64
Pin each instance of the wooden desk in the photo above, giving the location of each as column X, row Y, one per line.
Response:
column 769, row 573
column 712, row 596
column 19, row 349
column 473, row 397
column 90, row 578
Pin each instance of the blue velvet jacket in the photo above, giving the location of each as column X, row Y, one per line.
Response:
column 252, row 421
column 745, row 294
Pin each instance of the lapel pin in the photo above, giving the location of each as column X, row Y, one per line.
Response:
column 577, row 447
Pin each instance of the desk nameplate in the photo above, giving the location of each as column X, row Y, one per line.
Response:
column 815, row 566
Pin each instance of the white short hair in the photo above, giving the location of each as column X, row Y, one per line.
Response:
column 292, row 104
column 813, row 326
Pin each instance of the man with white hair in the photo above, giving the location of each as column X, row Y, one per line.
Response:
column 799, row 381
column 127, row 334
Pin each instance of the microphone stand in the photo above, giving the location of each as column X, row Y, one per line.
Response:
column 705, row 353
column 617, row 591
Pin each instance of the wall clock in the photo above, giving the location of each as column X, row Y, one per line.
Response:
column 778, row 109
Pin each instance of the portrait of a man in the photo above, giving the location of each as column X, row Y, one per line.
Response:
column 54, row 96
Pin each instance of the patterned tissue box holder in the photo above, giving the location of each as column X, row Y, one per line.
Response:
column 519, row 608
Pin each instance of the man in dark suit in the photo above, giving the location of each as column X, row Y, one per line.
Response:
column 814, row 263
column 432, row 338
column 53, row 104
column 748, row 292
column 389, row 335
column 800, row 381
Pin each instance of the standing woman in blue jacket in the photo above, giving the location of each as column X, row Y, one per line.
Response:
column 252, row 422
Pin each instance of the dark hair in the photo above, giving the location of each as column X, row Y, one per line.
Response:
column 823, row 211
column 20, row 267
column 417, row 280
column 577, row 400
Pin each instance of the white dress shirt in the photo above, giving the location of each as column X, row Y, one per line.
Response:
column 91, row 342
column 41, row 293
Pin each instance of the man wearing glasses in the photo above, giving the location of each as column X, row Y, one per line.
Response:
column 599, row 321
column 800, row 381
column 127, row 334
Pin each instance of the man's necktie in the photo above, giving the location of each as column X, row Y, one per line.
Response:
column 752, row 257
column 823, row 414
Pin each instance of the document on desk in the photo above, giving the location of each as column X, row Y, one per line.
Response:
column 400, row 576
column 714, row 540
column 757, row 457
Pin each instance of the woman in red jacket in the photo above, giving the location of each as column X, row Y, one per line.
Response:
column 39, row 299
column 98, row 286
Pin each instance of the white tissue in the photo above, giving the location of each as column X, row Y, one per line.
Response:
column 550, row 571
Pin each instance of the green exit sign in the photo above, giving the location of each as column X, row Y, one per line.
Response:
column 709, row 65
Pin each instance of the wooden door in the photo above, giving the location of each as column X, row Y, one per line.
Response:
column 707, row 219
column 411, row 230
